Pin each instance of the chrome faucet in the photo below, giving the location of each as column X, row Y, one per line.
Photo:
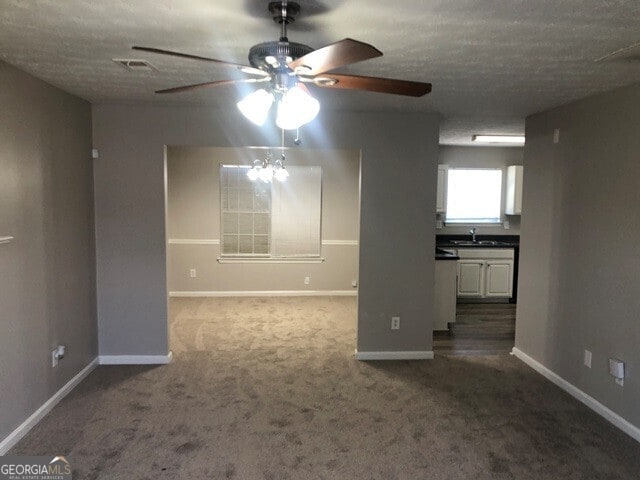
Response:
column 472, row 232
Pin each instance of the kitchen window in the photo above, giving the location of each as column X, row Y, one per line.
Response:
column 275, row 220
column 474, row 195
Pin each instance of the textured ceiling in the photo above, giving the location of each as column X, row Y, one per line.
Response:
column 491, row 62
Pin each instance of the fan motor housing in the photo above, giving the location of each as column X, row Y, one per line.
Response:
column 279, row 50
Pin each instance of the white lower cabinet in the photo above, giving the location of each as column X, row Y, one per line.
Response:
column 470, row 278
column 499, row 281
column 444, row 294
column 485, row 273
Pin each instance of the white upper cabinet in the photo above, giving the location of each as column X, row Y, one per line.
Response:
column 513, row 204
column 441, row 199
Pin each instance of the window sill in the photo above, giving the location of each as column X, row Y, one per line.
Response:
column 270, row 260
column 472, row 224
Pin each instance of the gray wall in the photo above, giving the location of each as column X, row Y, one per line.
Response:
column 484, row 157
column 396, row 237
column 193, row 212
column 580, row 254
column 47, row 280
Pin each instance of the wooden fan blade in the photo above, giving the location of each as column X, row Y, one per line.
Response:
column 374, row 84
column 243, row 68
column 335, row 55
column 196, row 86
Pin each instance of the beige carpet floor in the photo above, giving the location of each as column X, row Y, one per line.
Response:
column 269, row 389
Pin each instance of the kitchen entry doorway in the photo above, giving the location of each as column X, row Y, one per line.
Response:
column 479, row 329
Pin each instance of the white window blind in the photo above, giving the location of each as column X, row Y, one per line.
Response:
column 271, row 220
column 474, row 195
column 295, row 213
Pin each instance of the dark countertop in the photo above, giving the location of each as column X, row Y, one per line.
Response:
column 482, row 241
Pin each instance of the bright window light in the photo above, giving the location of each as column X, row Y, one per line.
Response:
column 474, row 195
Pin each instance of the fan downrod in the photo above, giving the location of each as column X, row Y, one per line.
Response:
column 284, row 12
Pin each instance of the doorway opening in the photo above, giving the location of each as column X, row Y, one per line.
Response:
column 261, row 265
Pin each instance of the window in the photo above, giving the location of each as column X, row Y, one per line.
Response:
column 474, row 195
column 246, row 213
column 270, row 220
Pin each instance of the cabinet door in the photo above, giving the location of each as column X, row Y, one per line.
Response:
column 441, row 199
column 499, row 281
column 470, row 278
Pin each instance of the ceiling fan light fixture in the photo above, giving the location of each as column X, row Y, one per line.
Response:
column 266, row 173
column 253, row 173
column 281, row 174
column 296, row 108
column 256, row 105
column 505, row 139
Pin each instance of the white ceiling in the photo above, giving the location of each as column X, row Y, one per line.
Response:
column 491, row 62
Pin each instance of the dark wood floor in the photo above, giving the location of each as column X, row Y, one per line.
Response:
column 480, row 329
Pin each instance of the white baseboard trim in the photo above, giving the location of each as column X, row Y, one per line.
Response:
column 575, row 392
column 15, row 436
column 269, row 293
column 135, row 359
column 410, row 355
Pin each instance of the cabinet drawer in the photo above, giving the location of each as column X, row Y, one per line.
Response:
column 486, row 253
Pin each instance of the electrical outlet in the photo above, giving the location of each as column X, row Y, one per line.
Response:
column 307, row 280
column 556, row 135
column 587, row 358
column 193, row 273
column 507, row 225
column 395, row 323
column 354, row 283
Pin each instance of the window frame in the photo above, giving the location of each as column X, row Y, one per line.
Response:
column 266, row 257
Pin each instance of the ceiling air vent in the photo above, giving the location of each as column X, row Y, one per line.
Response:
column 135, row 65
column 630, row 54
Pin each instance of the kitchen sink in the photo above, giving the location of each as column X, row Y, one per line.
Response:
column 477, row 242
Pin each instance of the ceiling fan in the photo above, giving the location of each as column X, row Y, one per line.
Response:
column 287, row 66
